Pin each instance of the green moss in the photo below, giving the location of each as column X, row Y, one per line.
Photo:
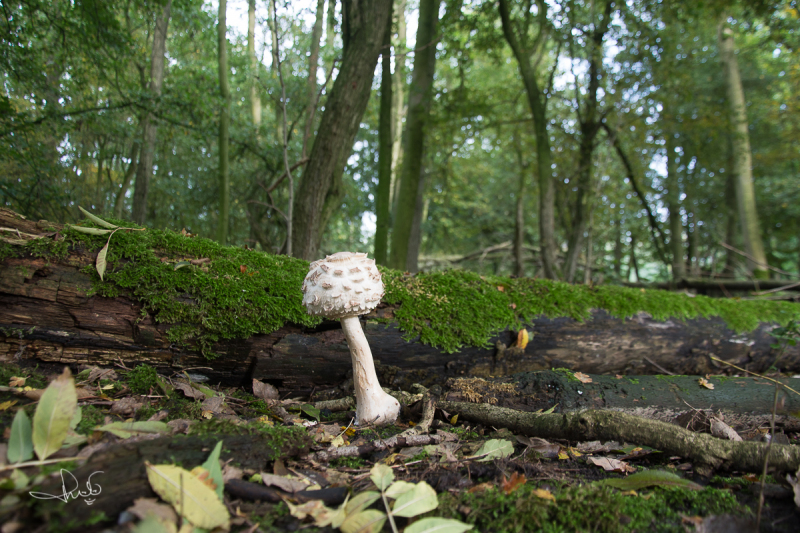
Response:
column 347, row 462
column 237, row 293
column 142, row 379
column 34, row 378
column 585, row 508
column 91, row 416
column 280, row 440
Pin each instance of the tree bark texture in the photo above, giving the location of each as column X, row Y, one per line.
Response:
column 526, row 54
column 119, row 199
column 419, row 103
column 311, row 81
column 384, row 192
column 742, row 156
column 144, row 169
column 398, row 100
column 224, row 123
column 319, row 194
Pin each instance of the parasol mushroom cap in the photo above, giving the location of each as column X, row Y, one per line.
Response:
column 342, row 285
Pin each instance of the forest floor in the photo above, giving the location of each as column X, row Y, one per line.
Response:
column 287, row 465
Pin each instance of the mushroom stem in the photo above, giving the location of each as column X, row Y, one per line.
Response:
column 373, row 406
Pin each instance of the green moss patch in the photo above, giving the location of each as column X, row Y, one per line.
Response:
column 235, row 293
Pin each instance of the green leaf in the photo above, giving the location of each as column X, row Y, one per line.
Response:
column 495, row 449
column 180, row 264
column 20, row 479
column 76, row 418
column 421, row 499
column 97, row 220
column 53, row 415
column 361, row 501
column 398, row 488
column 90, row 231
column 438, row 525
column 369, row 521
column 649, row 478
column 125, row 430
column 20, row 445
column 382, row 476
column 310, row 410
column 189, row 496
column 214, row 471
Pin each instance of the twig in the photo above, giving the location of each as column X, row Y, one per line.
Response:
column 661, row 368
column 280, row 178
column 755, row 374
column 766, row 459
column 285, row 138
column 785, row 287
column 750, row 257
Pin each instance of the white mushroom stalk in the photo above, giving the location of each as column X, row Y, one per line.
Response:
column 343, row 286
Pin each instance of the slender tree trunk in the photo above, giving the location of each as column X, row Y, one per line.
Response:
column 745, row 193
column 224, row 119
column 587, row 271
column 255, row 99
column 273, row 24
column 730, row 230
column 618, row 248
column 419, row 103
column 537, row 100
column 519, row 219
column 320, row 191
column 634, row 264
column 420, row 215
column 119, row 201
column 383, row 194
column 311, row 82
column 398, row 101
column 589, row 127
column 329, row 34
column 674, row 207
column 144, row 169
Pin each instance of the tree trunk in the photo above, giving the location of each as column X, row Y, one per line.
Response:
column 420, row 214
column 119, row 201
column 398, row 103
column 745, row 193
column 224, row 122
column 311, row 83
column 519, row 219
column 731, row 257
column 633, row 264
column 329, row 33
column 383, row 194
column 674, row 207
column 419, row 103
column 537, row 100
column 589, row 127
column 255, row 99
column 144, row 169
column 618, row 248
column 319, row 195
column 273, row 25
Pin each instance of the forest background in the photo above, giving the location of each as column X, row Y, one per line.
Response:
column 592, row 141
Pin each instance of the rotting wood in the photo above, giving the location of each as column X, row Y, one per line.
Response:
column 706, row 451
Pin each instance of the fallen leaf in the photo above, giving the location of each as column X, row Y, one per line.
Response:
column 190, row 391
column 6, row 405
column 611, row 465
column 17, row 381
column 513, row 483
column 437, row 525
column 284, row 483
column 126, row 430
column 198, row 503
column 494, row 449
column 544, row 494
column 583, row 378
column 522, row 338
column 501, row 288
column 144, row 507
column 242, row 268
column 265, row 391
column 649, row 478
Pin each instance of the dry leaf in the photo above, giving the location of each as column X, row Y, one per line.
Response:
column 611, row 465
column 522, row 338
column 544, row 494
column 704, row 382
column 501, row 288
column 144, row 507
column 583, row 378
column 512, row 484
column 17, row 381
column 265, row 391
column 284, row 483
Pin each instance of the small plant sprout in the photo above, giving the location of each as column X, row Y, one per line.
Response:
column 343, row 286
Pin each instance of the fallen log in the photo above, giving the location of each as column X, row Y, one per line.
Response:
column 154, row 306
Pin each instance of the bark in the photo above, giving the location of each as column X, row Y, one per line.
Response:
column 730, row 228
column 329, row 33
column 319, row 194
column 590, row 123
column 384, row 192
column 709, row 453
column 255, row 99
column 519, row 219
column 398, row 101
column 419, row 103
column 273, row 26
column 745, row 193
column 527, row 55
column 144, row 170
column 311, row 82
column 119, row 201
column 420, row 215
column 618, row 248
column 224, row 122
column 674, row 208
column 633, row 264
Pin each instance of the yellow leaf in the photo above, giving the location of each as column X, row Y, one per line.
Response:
column 704, row 382
column 6, row 405
column 454, row 420
column 195, row 501
column 522, row 338
column 107, row 387
column 544, row 494
column 563, row 455
column 16, row 381
column 207, row 414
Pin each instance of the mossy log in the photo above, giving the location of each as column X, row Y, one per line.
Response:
column 55, row 309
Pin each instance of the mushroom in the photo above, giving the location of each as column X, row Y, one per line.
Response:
column 336, row 288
